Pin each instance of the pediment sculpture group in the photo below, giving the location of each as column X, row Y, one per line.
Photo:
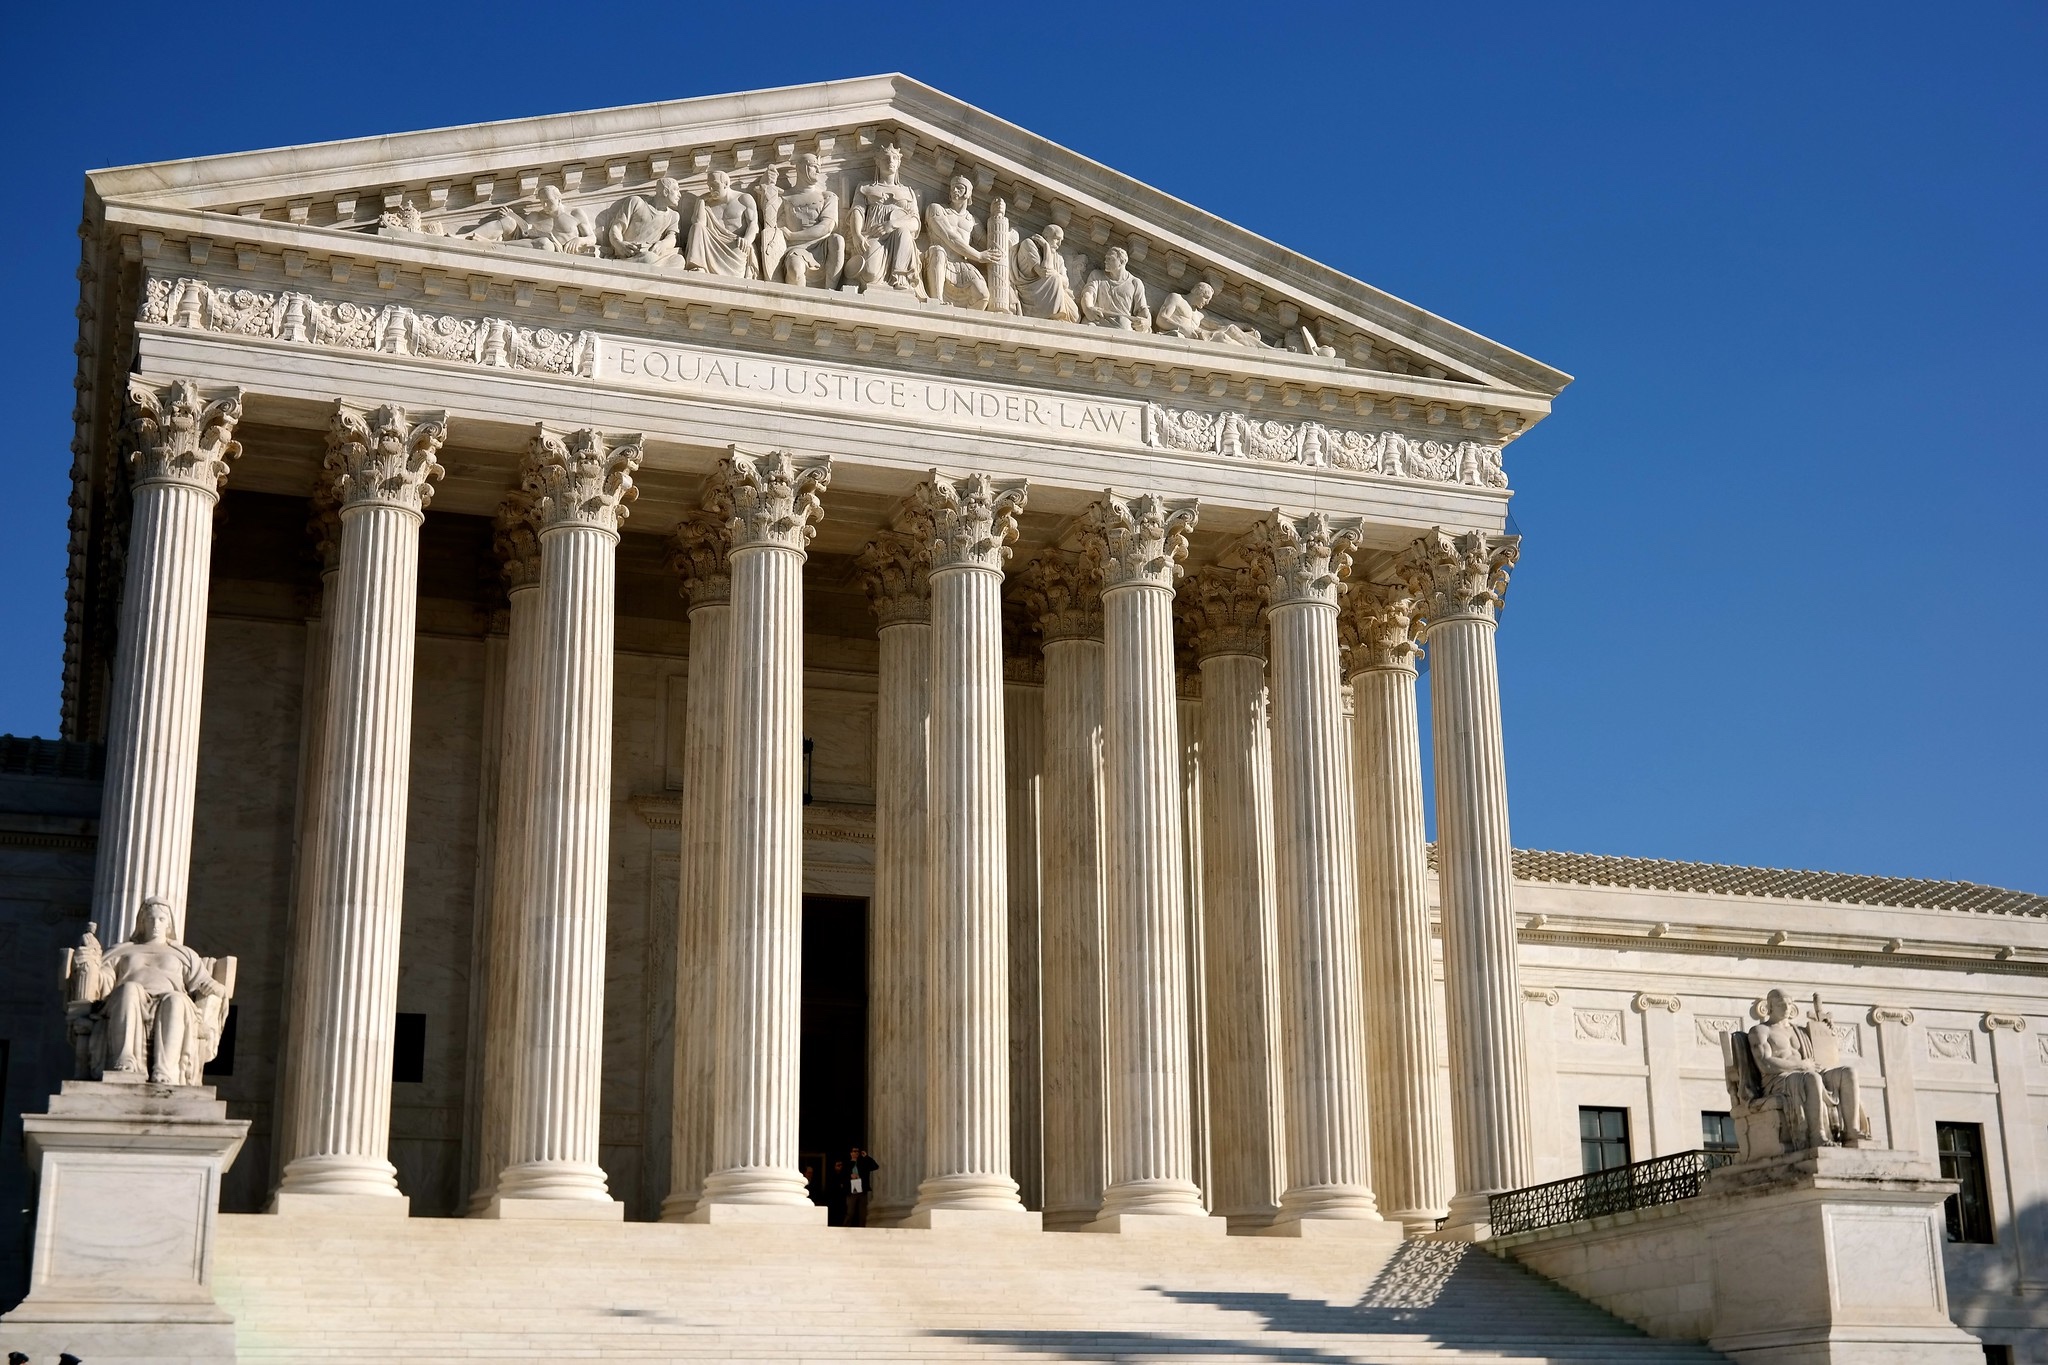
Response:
column 880, row 241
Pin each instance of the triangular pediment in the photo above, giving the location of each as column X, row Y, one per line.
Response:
column 484, row 184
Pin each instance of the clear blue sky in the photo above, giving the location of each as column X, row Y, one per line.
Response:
column 1780, row 599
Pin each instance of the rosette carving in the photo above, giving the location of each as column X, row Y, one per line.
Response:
column 895, row 572
column 696, row 551
column 1062, row 594
column 1221, row 612
column 584, row 478
column 970, row 520
column 1380, row 626
column 383, row 456
column 1459, row 576
column 515, row 539
column 770, row 500
column 180, row 433
column 1138, row 541
column 1304, row 559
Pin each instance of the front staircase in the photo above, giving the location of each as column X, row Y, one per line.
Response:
column 320, row 1289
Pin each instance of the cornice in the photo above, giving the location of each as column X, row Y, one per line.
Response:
column 623, row 149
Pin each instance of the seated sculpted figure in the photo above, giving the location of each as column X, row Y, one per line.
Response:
column 1182, row 316
column 883, row 253
column 950, row 260
column 1822, row 1107
column 148, row 1009
column 1044, row 288
column 648, row 230
column 814, row 251
column 554, row 227
column 723, row 232
column 1114, row 297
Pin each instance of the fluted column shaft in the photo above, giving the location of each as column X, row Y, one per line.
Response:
column 771, row 503
column 1322, row 1010
column 581, row 483
column 1023, row 763
column 504, row 951
column 382, row 462
column 1463, row 579
column 700, row 556
column 1188, row 711
column 895, row 571
column 1246, row 1106
column 1408, row 1134
column 1139, row 542
column 967, row 1001
column 1070, row 928
column 180, row 441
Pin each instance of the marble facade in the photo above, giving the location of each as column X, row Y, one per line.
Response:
column 506, row 592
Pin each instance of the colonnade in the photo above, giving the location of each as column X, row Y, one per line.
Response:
column 1313, row 926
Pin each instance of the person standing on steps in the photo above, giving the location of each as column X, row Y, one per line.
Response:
column 837, row 1184
column 861, row 1170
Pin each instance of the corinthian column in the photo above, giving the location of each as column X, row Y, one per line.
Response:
column 1136, row 545
column 517, row 544
column 1063, row 594
column 969, row 522
column 895, row 570
column 1303, row 561
column 180, row 438
column 771, row 508
column 697, row 552
column 1378, row 625
column 581, row 484
column 1220, row 611
column 382, row 463
column 1461, row 580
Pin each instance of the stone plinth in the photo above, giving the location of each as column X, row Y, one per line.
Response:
column 126, row 1211
column 1829, row 1256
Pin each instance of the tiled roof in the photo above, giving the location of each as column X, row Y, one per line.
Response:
column 1849, row 888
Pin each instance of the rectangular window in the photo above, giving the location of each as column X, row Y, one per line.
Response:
column 1962, row 1160
column 1603, row 1138
column 409, row 1049
column 1717, row 1131
column 1997, row 1355
column 223, row 1063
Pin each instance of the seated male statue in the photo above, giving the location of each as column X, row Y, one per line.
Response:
column 143, row 999
column 1821, row 1102
column 815, row 252
column 1113, row 297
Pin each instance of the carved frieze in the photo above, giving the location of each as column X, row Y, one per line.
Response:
column 1317, row 445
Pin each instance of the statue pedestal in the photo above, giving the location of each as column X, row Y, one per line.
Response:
column 1833, row 1255
column 125, row 1215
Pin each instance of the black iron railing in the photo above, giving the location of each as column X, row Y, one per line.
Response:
column 1640, row 1185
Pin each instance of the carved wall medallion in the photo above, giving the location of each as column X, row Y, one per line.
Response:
column 1951, row 1045
column 1708, row 1028
column 1597, row 1026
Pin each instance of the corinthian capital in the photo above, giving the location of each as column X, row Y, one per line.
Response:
column 584, row 478
column 971, row 519
column 1062, row 596
column 382, row 457
column 1304, row 559
column 1459, row 576
column 696, row 551
column 1138, row 541
column 771, row 500
column 180, row 433
column 516, row 539
column 1379, row 624
column 896, row 573
column 1219, row 610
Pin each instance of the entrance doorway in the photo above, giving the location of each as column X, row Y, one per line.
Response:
column 832, row 1087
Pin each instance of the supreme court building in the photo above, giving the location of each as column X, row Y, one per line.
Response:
column 674, row 641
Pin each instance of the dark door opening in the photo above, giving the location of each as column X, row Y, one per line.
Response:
column 832, row 1086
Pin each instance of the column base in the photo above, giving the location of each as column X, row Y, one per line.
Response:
column 335, row 1175
column 1336, row 1230
column 1418, row 1222
column 677, row 1208
column 1160, row 1225
column 758, row 1215
column 1070, row 1219
column 291, row 1204
column 517, row 1210
column 975, row 1220
column 1469, row 1218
